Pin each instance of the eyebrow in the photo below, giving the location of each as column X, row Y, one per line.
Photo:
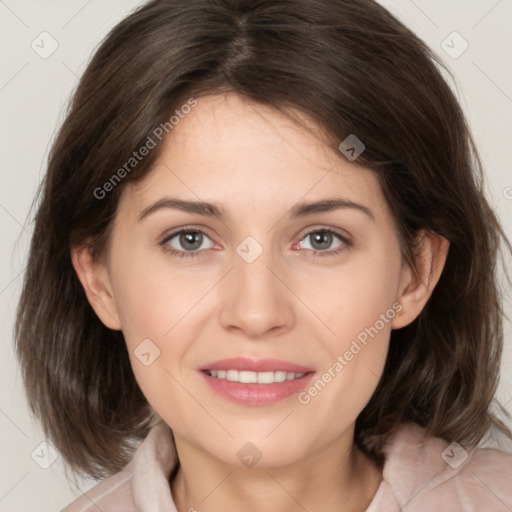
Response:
column 215, row 210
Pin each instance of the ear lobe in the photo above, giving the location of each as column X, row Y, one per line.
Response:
column 93, row 275
column 416, row 289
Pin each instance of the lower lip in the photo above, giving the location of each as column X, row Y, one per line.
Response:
column 257, row 394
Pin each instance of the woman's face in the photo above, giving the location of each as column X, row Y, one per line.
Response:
column 291, row 289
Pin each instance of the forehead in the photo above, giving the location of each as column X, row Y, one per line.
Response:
column 250, row 157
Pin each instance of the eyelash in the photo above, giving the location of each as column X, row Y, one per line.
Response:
column 198, row 254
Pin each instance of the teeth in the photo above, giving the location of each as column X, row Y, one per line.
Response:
column 232, row 375
column 266, row 377
column 247, row 377
column 280, row 376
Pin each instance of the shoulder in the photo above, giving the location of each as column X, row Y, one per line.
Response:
column 426, row 472
column 141, row 485
column 114, row 494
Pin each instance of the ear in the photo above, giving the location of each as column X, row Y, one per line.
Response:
column 416, row 288
column 93, row 275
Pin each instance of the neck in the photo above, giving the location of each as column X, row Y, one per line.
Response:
column 338, row 477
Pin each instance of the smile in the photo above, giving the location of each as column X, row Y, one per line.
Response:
column 256, row 382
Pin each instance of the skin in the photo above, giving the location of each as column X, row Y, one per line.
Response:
column 287, row 304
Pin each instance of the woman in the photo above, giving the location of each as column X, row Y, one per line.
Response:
column 262, row 247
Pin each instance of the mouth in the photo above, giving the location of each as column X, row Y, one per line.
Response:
column 256, row 382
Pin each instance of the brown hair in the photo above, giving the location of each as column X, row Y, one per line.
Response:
column 354, row 69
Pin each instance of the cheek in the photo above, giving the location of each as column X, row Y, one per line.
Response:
column 158, row 307
column 153, row 309
column 358, row 304
column 151, row 297
column 355, row 298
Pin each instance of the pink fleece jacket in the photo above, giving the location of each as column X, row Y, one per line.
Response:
column 420, row 475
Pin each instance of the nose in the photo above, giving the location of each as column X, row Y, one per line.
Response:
column 256, row 300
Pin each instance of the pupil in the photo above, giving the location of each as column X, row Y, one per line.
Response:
column 322, row 239
column 187, row 240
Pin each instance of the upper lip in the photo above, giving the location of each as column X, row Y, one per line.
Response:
column 253, row 365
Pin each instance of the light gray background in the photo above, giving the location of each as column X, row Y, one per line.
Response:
column 34, row 92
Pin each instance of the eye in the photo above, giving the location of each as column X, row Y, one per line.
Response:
column 321, row 241
column 186, row 243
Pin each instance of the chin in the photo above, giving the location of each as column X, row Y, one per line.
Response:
column 258, row 452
